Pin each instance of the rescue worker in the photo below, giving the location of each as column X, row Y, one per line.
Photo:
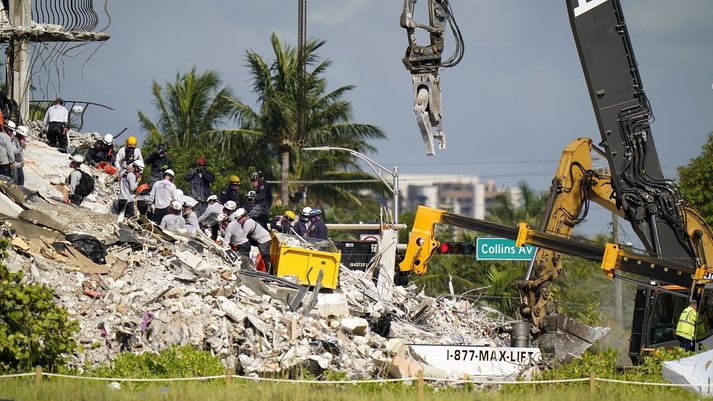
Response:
column 159, row 162
column 250, row 204
column 127, row 154
column 128, row 183
column 190, row 216
column 209, row 218
column 20, row 142
column 229, row 207
column 302, row 224
column 200, row 179
column 173, row 221
column 56, row 119
column 686, row 328
column 263, row 198
column 80, row 183
column 230, row 193
column 235, row 238
column 257, row 235
column 7, row 150
column 284, row 223
column 317, row 228
column 102, row 151
column 162, row 194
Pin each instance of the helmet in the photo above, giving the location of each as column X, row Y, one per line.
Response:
column 234, row 179
column 202, row 161
column 169, row 172
column 222, row 217
column 306, row 211
column 78, row 159
column 176, row 205
column 131, row 141
column 189, row 202
column 22, row 130
column 77, row 109
column 139, row 164
column 290, row 214
column 161, row 148
column 256, row 175
column 108, row 139
column 239, row 213
column 315, row 213
column 212, row 198
column 230, row 205
column 11, row 125
column 251, row 194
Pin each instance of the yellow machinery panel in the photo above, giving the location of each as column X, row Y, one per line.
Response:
column 303, row 258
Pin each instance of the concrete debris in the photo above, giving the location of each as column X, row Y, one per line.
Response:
column 154, row 292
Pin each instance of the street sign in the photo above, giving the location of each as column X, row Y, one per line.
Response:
column 502, row 249
column 481, row 361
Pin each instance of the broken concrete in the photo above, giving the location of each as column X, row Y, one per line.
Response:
column 157, row 290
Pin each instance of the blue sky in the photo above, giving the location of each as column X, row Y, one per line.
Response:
column 518, row 95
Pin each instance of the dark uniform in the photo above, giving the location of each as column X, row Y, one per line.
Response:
column 101, row 152
column 230, row 194
column 159, row 163
column 263, row 203
column 318, row 229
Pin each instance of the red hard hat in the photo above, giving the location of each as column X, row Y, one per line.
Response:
column 202, row 161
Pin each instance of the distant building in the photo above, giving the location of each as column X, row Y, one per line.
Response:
column 468, row 196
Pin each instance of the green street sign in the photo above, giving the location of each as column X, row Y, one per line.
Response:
column 502, row 249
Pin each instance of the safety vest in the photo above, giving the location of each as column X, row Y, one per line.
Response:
column 686, row 327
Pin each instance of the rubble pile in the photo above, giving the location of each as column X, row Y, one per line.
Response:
column 156, row 289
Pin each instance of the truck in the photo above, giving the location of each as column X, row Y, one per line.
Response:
column 678, row 243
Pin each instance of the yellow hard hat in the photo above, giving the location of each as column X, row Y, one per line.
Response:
column 131, row 141
column 290, row 214
column 234, row 179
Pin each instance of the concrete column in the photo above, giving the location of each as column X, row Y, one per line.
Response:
column 19, row 58
column 388, row 240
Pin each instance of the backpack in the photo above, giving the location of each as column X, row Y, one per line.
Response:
column 85, row 186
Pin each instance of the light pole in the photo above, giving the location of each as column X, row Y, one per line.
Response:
column 378, row 169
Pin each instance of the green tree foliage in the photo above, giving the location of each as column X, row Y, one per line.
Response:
column 33, row 329
column 696, row 180
column 273, row 125
column 529, row 208
column 193, row 106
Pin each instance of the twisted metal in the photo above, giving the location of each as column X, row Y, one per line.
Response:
column 73, row 15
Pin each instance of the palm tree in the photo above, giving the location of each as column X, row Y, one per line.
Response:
column 530, row 207
column 273, row 124
column 193, row 106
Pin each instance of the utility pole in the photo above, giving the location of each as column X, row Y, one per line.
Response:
column 618, row 301
column 22, row 33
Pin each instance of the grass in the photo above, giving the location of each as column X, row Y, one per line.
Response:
column 76, row 390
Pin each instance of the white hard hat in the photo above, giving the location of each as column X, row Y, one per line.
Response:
column 222, row 217
column 176, row 205
column 108, row 139
column 11, row 124
column 139, row 164
column 306, row 211
column 212, row 198
column 239, row 213
column 230, row 205
column 77, row 109
column 78, row 159
column 190, row 203
column 169, row 172
column 22, row 130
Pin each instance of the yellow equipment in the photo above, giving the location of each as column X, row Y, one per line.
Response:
column 304, row 262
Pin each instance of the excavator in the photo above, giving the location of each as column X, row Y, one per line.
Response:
column 673, row 268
